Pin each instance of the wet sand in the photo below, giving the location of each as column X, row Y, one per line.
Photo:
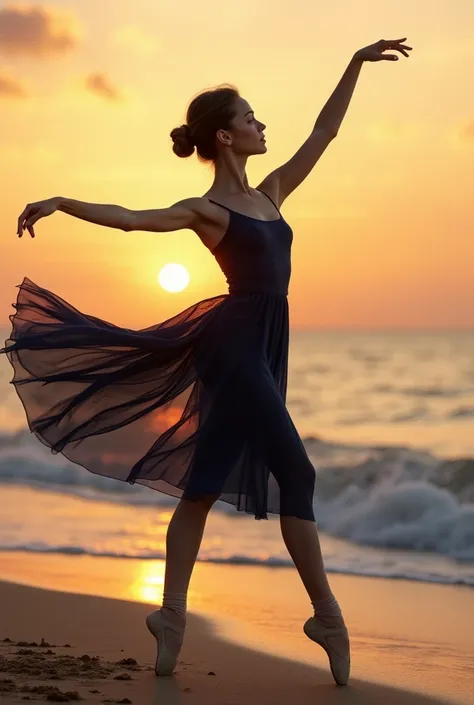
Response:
column 62, row 646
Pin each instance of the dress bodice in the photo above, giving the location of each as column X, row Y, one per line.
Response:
column 255, row 254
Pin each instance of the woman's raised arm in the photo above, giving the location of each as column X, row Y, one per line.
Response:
column 182, row 214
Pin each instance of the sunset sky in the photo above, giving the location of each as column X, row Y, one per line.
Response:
column 383, row 226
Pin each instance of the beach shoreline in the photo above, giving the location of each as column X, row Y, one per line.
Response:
column 246, row 651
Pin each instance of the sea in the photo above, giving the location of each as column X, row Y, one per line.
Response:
column 387, row 418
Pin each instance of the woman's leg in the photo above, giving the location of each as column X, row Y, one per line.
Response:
column 296, row 476
column 302, row 541
column 183, row 539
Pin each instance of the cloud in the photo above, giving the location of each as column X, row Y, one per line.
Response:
column 135, row 38
column 11, row 87
column 35, row 31
column 99, row 84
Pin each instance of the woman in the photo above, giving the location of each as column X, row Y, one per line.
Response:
column 194, row 406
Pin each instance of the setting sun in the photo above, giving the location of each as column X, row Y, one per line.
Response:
column 173, row 277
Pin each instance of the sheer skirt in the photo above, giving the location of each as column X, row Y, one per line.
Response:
column 193, row 405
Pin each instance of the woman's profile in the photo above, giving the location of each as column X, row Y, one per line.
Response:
column 195, row 406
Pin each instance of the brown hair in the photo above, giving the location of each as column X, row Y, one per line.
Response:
column 208, row 112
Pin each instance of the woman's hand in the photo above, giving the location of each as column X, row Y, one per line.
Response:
column 35, row 211
column 374, row 52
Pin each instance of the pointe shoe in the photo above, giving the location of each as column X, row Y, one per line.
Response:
column 340, row 663
column 165, row 660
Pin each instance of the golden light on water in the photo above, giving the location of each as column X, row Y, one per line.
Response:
column 149, row 581
column 173, row 277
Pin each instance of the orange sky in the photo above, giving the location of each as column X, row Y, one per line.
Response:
column 383, row 226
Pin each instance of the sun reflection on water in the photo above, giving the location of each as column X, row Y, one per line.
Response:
column 148, row 583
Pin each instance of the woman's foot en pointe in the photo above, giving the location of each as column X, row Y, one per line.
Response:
column 168, row 628
column 331, row 633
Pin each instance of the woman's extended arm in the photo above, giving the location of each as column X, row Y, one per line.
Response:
column 287, row 177
column 109, row 215
column 332, row 114
column 182, row 214
column 101, row 214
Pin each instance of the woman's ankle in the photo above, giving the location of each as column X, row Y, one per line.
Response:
column 327, row 608
column 175, row 604
column 176, row 618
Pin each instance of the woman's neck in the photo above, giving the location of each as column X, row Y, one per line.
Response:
column 230, row 178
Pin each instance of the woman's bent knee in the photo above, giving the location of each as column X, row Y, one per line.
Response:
column 297, row 493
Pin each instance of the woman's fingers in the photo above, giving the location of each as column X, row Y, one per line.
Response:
column 394, row 41
column 395, row 44
column 402, row 50
column 31, row 221
column 21, row 220
column 26, row 221
column 375, row 52
column 393, row 57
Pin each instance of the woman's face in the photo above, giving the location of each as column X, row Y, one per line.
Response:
column 245, row 136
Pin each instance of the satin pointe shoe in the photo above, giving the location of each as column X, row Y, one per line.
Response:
column 340, row 663
column 165, row 659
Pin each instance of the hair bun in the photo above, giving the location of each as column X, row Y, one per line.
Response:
column 182, row 141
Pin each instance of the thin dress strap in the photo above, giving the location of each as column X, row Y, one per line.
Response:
column 217, row 203
column 271, row 199
column 232, row 211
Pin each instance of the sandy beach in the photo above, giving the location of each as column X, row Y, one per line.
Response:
column 237, row 651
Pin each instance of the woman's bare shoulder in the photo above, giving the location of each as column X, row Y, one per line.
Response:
column 211, row 222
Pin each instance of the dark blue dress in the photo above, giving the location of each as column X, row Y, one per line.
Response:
column 192, row 406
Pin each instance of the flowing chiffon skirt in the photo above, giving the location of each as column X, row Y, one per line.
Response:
column 192, row 406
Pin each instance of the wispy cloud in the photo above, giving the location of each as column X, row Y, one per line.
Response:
column 101, row 85
column 135, row 38
column 36, row 31
column 11, row 87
